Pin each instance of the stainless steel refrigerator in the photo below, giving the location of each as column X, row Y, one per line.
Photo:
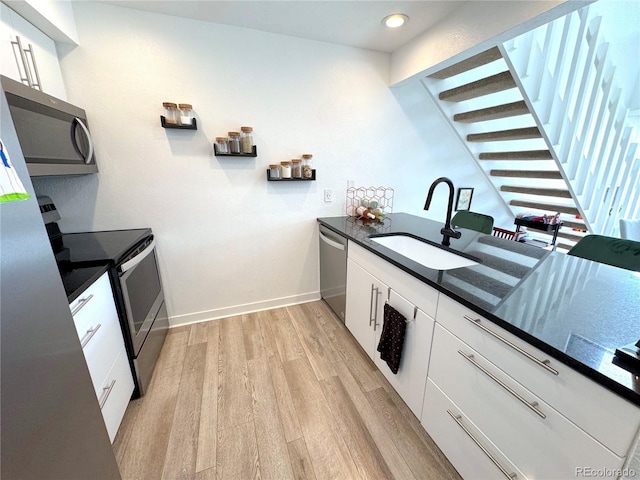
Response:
column 51, row 424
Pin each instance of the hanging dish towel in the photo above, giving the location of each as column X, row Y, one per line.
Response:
column 392, row 338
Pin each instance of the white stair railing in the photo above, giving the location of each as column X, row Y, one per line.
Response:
column 565, row 71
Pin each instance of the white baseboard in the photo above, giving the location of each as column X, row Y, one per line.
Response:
column 197, row 317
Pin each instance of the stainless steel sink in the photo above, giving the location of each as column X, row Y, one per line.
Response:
column 422, row 252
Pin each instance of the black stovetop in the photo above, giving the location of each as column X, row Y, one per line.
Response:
column 104, row 247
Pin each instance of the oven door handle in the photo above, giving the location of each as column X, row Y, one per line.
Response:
column 128, row 265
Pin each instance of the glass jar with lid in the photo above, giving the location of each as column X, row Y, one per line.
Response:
column 307, row 167
column 186, row 115
column 274, row 171
column 246, row 139
column 285, row 169
column 296, row 168
column 222, row 145
column 234, row 142
column 170, row 113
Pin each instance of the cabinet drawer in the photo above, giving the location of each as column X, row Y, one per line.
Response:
column 571, row 393
column 100, row 351
column 418, row 293
column 470, row 452
column 115, row 393
column 94, row 303
column 534, row 436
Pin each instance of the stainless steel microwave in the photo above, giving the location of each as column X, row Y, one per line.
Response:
column 53, row 134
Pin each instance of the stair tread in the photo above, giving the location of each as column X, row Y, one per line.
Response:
column 545, row 206
column 567, row 235
column 493, row 113
column 574, row 224
column 501, row 135
column 485, row 86
column 548, row 192
column 570, row 236
column 476, row 61
column 521, row 155
column 547, row 174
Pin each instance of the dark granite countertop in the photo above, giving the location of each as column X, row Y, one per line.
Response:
column 77, row 280
column 575, row 310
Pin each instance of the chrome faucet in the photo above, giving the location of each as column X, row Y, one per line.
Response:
column 448, row 231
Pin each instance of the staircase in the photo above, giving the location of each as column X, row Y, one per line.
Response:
column 542, row 117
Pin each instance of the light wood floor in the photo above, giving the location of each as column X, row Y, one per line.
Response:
column 278, row 394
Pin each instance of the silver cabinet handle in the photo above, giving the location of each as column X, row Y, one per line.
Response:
column 81, row 304
column 89, row 335
column 25, row 64
column 106, row 391
column 371, row 319
column 543, row 363
column 375, row 316
column 37, row 83
column 531, row 405
column 505, row 472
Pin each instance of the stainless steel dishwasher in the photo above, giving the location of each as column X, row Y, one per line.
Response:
column 333, row 270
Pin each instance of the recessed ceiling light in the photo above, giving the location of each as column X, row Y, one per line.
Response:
column 394, row 21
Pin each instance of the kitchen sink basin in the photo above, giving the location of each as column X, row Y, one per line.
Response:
column 423, row 252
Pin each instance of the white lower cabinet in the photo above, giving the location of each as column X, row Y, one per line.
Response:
column 497, row 406
column 572, row 394
column 115, row 393
column 411, row 378
column 366, row 296
column 541, row 442
column 466, row 447
column 363, row 316
column 96, row 320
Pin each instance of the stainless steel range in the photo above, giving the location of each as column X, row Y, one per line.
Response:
column 133, row 269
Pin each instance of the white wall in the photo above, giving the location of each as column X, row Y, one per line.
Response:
column 229, row 241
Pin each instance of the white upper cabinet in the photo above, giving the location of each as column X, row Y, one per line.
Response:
column 44, row 51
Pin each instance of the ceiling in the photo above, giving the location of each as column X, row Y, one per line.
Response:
column 355, row 23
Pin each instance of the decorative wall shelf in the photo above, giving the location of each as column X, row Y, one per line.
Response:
column 252, row 154
column 284, row 180
column 193, row 126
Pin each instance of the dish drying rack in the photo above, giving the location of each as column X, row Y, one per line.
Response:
column 383, row 195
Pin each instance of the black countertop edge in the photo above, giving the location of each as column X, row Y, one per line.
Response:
column 77, row 280
column 562, row 357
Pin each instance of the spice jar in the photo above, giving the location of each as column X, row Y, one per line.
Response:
column 274, row 171
column 307, row 169
column 222, row 145
column 186, row 116
column 296, row 168
column 234, row 142
column 246, row 139
column 170, row 113
column 285, row 169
